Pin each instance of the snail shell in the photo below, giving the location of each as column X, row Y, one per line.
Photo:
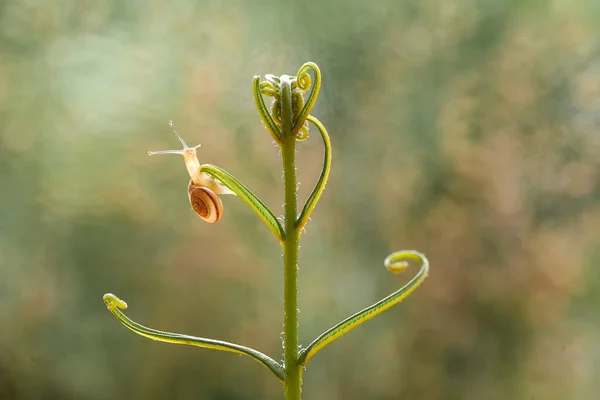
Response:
column 205, row 202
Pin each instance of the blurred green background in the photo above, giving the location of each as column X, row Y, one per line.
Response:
column 468, row 130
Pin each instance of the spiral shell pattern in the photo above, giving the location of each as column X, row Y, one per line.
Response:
column 206, row 203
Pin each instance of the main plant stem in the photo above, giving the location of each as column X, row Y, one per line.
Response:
column 290, row 250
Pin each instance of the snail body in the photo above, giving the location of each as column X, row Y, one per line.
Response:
column 203, row 191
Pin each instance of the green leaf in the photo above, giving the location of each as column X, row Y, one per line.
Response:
column 247, row 196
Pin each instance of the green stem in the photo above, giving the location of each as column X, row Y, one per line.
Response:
column 290, row 249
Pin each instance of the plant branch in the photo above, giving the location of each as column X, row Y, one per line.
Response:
column 114, row 305
column 303, row 82
column 311, row 201
column 395, row 262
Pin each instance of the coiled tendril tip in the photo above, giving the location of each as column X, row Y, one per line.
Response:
column 394, row 265
column 113, row 301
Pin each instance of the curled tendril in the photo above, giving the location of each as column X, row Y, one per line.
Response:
column 297, row 106
column 115, row 305
column 297, row 102
column 311, row 201
column 269, row 89
column 113, row 302
column 276, row 112
column 274, row 130
column 302, row 134
column 303, row 80
column 395, row 262
column 269, row 92
column 304, row 83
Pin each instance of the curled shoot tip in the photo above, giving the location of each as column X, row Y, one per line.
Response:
column 303, row 80
column 304, row 83
column 395, row 266
column 269, row 88
column 113, row 301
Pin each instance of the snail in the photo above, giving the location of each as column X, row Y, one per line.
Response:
column 203, row 191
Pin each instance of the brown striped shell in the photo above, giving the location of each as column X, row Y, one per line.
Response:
column 205, row 202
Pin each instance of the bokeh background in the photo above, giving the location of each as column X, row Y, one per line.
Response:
column 466, row 129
